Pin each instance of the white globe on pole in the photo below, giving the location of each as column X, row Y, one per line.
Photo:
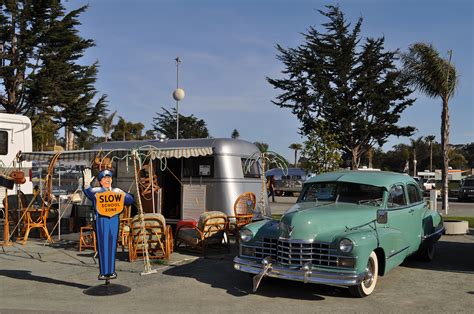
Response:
column 178, row 94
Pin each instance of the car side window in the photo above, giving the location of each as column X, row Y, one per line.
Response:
column 396, row 197
column 414, row 195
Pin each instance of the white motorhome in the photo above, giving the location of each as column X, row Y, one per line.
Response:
column 15, row 136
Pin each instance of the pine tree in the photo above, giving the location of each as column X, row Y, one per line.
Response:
column 355, row 90
column 22, row 27
column 40, row 71
column 189, row 126
column 64, row 89
column 235, row 134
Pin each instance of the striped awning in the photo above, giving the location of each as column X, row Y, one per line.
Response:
column 89, row 155
column 181, row 152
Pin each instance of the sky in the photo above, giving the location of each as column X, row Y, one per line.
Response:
column 227, row 48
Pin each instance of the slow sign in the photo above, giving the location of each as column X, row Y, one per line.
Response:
column 109, row 203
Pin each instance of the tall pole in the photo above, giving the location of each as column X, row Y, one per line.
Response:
column 445, row 139
column 178, row 95
column 178, row 61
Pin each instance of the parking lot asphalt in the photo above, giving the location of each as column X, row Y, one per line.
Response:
column 42, row 278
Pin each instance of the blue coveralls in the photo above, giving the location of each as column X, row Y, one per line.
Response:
column 107, row 231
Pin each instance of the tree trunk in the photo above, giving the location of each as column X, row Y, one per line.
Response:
column 370, row 155
column 296, row 155
column 445, row 153
column 414, row 161
column 69, row 136
column 355, row 158
column 431, row 156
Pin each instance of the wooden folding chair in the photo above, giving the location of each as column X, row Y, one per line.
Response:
column 87, row 238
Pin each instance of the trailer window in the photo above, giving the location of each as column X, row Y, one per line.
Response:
column 3, row 143
column 198, row 167
column 250, row 168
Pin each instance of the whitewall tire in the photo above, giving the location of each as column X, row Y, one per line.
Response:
column 367, row 286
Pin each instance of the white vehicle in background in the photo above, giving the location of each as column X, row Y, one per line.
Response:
column 15, row 136
column 430, row 184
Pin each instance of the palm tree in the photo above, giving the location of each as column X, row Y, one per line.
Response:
column 435, row 77
column 414, row 145
column 263, row 147
column 430, row 139
column 296, row 147
column 106, row 124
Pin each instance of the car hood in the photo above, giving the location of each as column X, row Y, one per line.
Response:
column 309, row 221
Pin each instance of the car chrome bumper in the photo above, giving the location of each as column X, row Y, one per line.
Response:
column 435, row 236
column 305, row 275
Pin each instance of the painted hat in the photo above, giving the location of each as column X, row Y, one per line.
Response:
column 104, row 173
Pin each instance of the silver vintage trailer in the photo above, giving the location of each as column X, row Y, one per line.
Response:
column 194, row 175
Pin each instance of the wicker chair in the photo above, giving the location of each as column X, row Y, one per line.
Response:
column 124, row 227
column 34, row 213
column 155, row 235
column 244, row 207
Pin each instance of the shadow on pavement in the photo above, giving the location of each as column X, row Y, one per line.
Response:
column 449, row 257
column 26, row 275
column 218, row 272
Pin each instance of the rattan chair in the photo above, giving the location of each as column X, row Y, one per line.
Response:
column 154, row 234
column 244, row 207
column 211, row 229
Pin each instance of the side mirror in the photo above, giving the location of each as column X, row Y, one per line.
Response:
column 382, row 216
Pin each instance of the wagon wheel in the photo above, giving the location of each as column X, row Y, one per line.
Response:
column 367, row 286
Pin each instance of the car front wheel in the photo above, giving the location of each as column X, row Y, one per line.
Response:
column 367, row 286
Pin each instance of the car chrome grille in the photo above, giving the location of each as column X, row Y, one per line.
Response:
column 297, row 252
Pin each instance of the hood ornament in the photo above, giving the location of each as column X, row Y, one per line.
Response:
column 290, row 230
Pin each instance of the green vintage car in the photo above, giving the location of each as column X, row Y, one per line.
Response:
column 346, row 229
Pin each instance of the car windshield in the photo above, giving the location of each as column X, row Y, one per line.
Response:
column 469, row 182
column 342, row 192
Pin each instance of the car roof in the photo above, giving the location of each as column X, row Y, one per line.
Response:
column 384, row 179
column 288, row 171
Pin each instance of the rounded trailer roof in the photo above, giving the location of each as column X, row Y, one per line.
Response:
column 221, row 146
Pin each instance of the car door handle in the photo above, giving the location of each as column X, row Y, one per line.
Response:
column 411, row 211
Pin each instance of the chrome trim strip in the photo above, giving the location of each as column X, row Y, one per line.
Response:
column 392, row 255
column 315, row 276
column 436, row 233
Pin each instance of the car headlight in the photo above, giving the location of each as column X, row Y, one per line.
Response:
column 346, row 245
column 246, row 235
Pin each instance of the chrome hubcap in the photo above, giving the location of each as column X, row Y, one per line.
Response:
column 369, row 278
